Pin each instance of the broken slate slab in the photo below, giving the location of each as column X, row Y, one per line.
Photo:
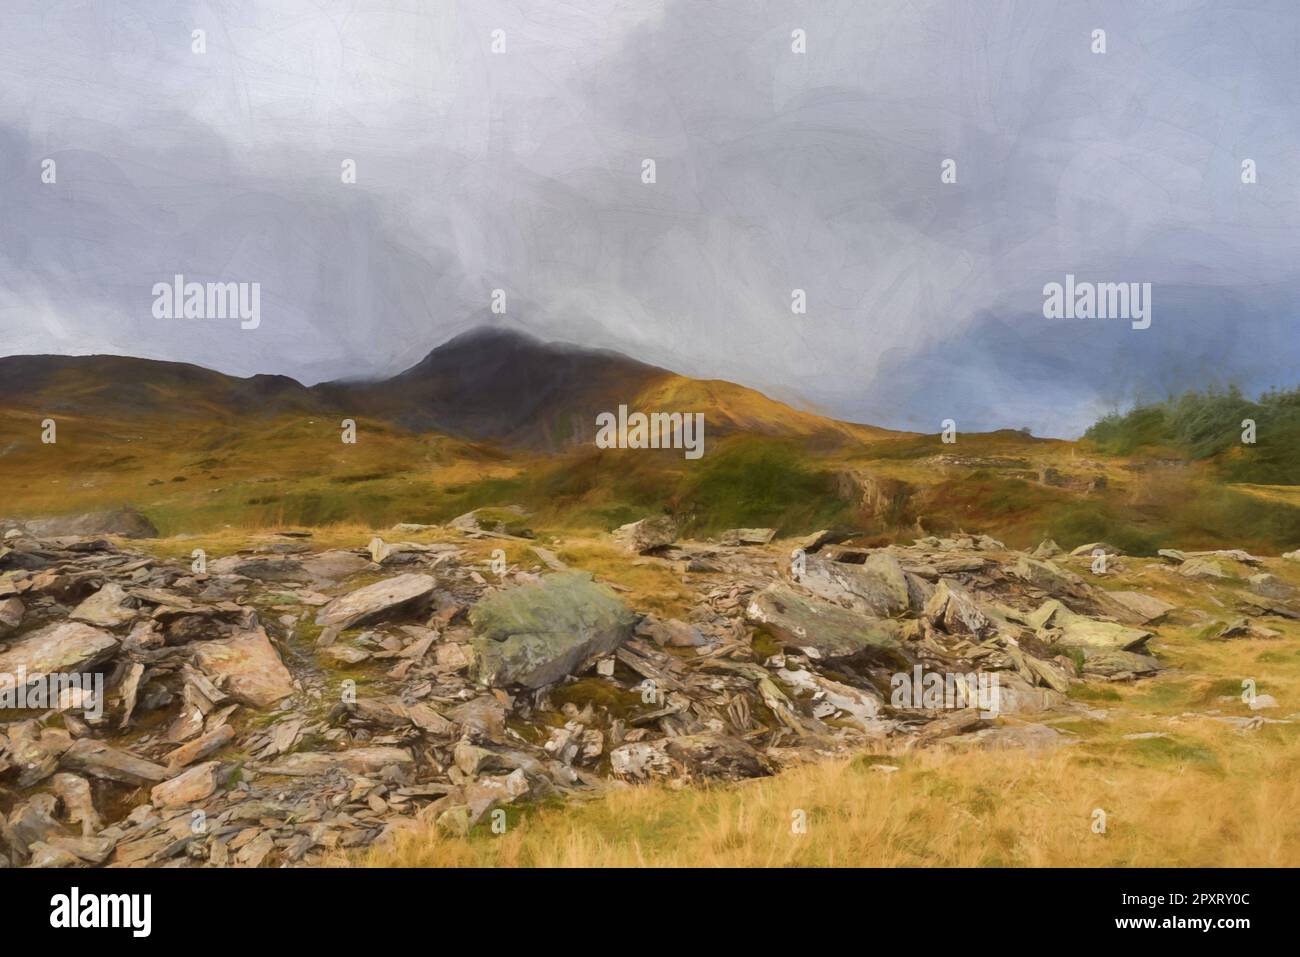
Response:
column 1270, row 586
column 705, row 756
column 1144, row 607
column 368, row 760
column 376, row 601
column 100, row 760
column 877, row 587
column 196, row 784
column 1118, row 664
column 106, row 608
column 1047, row 576
column 1202, row 568
column 126, row 522
column 247, row 667
column 802, row 621
column 953, row 609
column 202, row 746
column 1057, row 624
column 271, row 568
column 65, row 647
column 747, row 536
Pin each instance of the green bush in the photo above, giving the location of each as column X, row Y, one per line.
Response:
column 1208, row 425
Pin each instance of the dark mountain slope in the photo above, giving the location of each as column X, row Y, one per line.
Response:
column 500, row 386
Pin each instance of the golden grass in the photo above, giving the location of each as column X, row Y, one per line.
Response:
column 1203, row 793
column 651, row 585
column 195, row 476
column 938, row 809
column 1281, row 494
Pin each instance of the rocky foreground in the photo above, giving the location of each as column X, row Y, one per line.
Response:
column 285, row 703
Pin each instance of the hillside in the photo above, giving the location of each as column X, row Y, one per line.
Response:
column 497, row 418
column 454, row 695
column 196, row 449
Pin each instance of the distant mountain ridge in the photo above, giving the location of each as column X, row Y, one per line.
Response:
column 489, row 385
column 126, row 387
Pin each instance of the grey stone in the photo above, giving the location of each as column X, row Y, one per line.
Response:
column 123, row 522
column 804, row 621
column 535, row 634
column 379, row 600
column 877, row 587
column 647, row 534
column 64, row 647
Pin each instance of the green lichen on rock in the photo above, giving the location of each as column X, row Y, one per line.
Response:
column 535, row 634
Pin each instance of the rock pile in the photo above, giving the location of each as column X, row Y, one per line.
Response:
column 285, row 702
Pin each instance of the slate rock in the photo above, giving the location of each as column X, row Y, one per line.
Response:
column 803, row 621
column 379, row 600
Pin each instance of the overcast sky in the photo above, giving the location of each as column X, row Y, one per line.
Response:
column 776, row 170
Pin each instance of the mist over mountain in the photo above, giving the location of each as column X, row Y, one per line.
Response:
column 776, row 171
column 501, row 386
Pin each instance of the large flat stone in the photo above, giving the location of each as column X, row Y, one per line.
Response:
column 106, row 608
column 703, row 756
column 333, row 565
column 126, row 522
column 367, row 760
column 196, row 784
column 803, row 621
column 66, row 647
column 273, row 568
column 101, row 760
column 1059, row 625
column 247, row 667
column 1140, row 605
column 1048, row 576
column 376, row 601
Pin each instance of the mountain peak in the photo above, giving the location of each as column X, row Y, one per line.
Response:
column 489, row 335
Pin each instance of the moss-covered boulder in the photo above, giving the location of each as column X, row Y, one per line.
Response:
column 533, row 635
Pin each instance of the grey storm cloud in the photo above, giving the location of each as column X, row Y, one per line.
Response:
column 775, row 171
